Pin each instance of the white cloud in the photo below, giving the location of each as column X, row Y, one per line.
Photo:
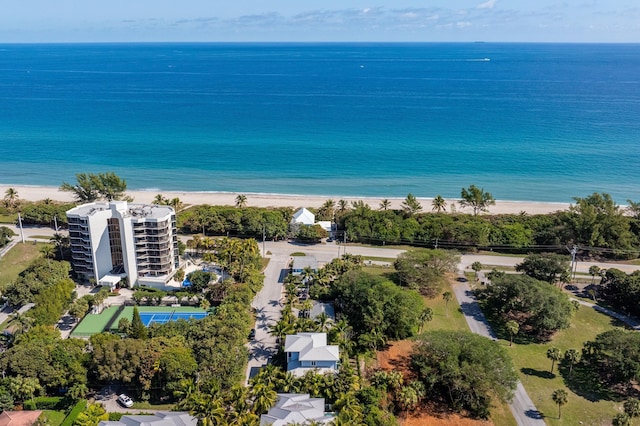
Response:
column 489, row 4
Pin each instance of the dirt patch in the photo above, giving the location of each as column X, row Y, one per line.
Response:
column 420, row 419
column 396, row 356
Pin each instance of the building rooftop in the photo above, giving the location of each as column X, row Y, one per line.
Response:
column 161, row 418
column 304, row 217
column 311, row 347
column 296, row 408
column 301, row 262
column 147, row 211
column 19, row 418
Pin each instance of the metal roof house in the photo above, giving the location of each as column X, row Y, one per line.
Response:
column 303, row 217
column 161, row 418
column 309, row 352
column 296, row 408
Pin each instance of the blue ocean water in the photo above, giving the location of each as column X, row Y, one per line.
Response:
column 540, row 122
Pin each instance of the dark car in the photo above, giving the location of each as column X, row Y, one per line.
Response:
column 252, row 334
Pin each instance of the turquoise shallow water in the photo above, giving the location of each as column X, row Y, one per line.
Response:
column 540, row 122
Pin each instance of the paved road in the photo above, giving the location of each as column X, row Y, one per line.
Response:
column 522, row 407
column 267, row 305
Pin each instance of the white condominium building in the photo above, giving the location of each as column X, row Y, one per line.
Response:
column 113, row 240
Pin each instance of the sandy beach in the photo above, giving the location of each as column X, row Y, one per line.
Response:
column 35, row 193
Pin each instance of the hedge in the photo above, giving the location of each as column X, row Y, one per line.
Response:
column 73, row 414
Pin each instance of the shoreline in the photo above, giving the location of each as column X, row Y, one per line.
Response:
column 36, row 193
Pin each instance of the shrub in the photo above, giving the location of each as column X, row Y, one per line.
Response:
column 75, row 411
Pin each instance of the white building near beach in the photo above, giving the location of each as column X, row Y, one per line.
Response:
column 115, row 240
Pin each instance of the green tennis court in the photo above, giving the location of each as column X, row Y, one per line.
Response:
column 109, row 318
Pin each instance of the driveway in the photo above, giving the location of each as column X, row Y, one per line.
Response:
column 268, row 306
column 521, row 407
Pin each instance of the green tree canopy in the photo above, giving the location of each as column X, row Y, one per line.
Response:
column 615, row 356
column 597, row 221
column 476, row 198
column 375, row 305
column 91, row 187
column 539, row 309
column 424, row 270
column 464, row 369
column 549, row 267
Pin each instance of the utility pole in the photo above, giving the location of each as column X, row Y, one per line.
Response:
column 344, row 240
column 21, row 230
column 574, row 264
column 264, row 251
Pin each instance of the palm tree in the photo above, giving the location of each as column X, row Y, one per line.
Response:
column 281, row 329
column 593, row 271
column 11, row 198
column 425, row 316
column 513, row 328
column 385, row 204
column 633, row 208
column 61, row 242
column 241, row 201
column 560, row 397
column 22, row 322
column 572, row 356
column 159, row 199
column 264, row 397
column 176, row 204
column 326, row 210
column 411, row 205
column 323, row 322
column 343, row 206
column 447, row 297
column 554, row 355
column 439, row 204
column 210, row 410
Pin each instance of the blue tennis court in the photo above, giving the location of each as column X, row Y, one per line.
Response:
column 163, row 317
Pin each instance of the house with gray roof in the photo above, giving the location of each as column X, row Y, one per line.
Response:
column 309, row 352
column 296, row 408
column 161, row 418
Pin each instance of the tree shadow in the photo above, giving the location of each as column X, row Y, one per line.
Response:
column 585, row 382
column 543, row 374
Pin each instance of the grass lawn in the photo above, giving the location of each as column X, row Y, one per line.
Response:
column 445, row 317
column 152, row 407
column 54, row 418
column 379, row 259
column 10, row 218
column 584, row 406
column 16, row 260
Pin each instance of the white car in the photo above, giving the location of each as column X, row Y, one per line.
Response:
column 125, row 400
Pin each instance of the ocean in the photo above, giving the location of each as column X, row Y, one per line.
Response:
column 536, row 122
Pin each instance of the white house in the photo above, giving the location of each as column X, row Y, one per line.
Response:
column 114, row 240
column 296, row 408
column 303, row 217
column 161, row 418
column 309, row 351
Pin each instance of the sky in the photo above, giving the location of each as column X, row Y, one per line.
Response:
column 35, row 21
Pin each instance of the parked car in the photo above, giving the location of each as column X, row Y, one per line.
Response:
column 252, row 334
column 124, row 400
